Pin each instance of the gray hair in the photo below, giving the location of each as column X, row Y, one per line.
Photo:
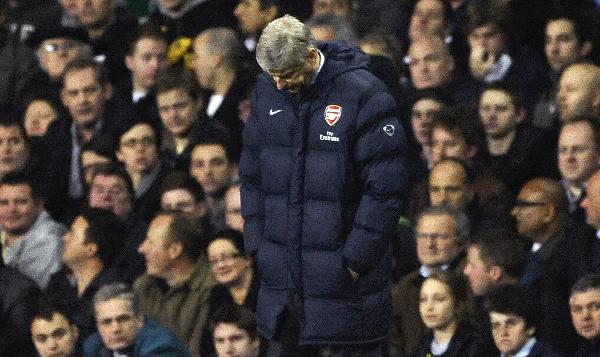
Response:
column 223, row 41
column 284, row 44
column 118, row 291
column 342, row 30
column 463, row 227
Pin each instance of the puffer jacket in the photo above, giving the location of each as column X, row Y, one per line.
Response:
column 323, row 175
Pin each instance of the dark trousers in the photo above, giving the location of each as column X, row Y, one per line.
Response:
column 285, row 344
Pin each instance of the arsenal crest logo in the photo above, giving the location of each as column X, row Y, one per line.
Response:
column 332, row 114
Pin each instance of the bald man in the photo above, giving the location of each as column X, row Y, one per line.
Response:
column 450, row 185
column 541, row 214
column 579, row 91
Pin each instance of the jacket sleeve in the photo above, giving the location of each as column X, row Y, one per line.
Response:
column 378, row 155
column 251, row 194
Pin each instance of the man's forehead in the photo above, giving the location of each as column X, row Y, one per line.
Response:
column 102, row 179
column 113, row 307
column 80, row 77
column 590, row 295
column 10, row 131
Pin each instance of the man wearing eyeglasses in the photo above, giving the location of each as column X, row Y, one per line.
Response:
column 441, row 233
column 124, row 331
column 138, row 150
column 541, row 215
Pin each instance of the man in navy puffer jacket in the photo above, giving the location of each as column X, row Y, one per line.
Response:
column 322, row 174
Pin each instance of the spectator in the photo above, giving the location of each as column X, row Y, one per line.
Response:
column 18, row 297
column 212, row 166
column 579, row 91
column 237, row 281
column 138, row 150
column 496, row 54
column 182, row 193
column 53, row 331
column 441, row 236
column 123, row 328
column 91, row 247
column 179, row 102
column 514, row 322
column 233, row 330
column 252, row 17
column 31, row 239
column 111, row 189
column 517, row 151
column 219, row 70
column 443, row 306
column 15, row 151
column 94, row 153
column 496, row 256
column 541, row 214
column 176, row 286
column 591, row 205
column 585, row 312
column 146, row 57
column 568, row 40
column 233, row 210
column 85, row 93
column 578, row 159
column 109, row 28
column 40, row 112
column 55, row 47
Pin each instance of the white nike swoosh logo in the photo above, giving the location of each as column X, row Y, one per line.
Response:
column 273, row 112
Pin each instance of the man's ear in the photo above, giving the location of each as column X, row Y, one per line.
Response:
column 107, row 91
column 496, row 273
column 472, row 151
column 128, row 62
column 175, row 250
column 520, row 115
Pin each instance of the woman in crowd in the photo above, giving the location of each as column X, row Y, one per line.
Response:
column 443, row 307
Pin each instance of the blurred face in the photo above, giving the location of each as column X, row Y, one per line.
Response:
column 18, row 208
column 89, row 161
column 436, row 305
column 323, row 33
column 117, row 323
column 430, row 65
column 84, row 96
column 178, row 111
column 14, row 152
column 251, row 18
column 138, row 149
column 437, row 240
column 510, row 332
column 448, row 186
column 422, row 115
column 148, row 57
column 54, row 338
column 55, row 53
column 155, row 247
column 38, row 116
column 296, row 79
column 449, row 145
column 76, row 249
column 110, row 193
column 498, row 114
column 233, row 207
column 338, row 7
column 577, row 153
column 585, row 312
column 479, row 274
column 591, row 202
column 183, row 201
column 561, row 45
column 427, row 19
column 210, row 167
column 94, row 13
column 488, row 37
column 205, row 63
column 530, row 212
column 232, row 341
column 173, row 5
column 227, row 264
column 575, row 96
